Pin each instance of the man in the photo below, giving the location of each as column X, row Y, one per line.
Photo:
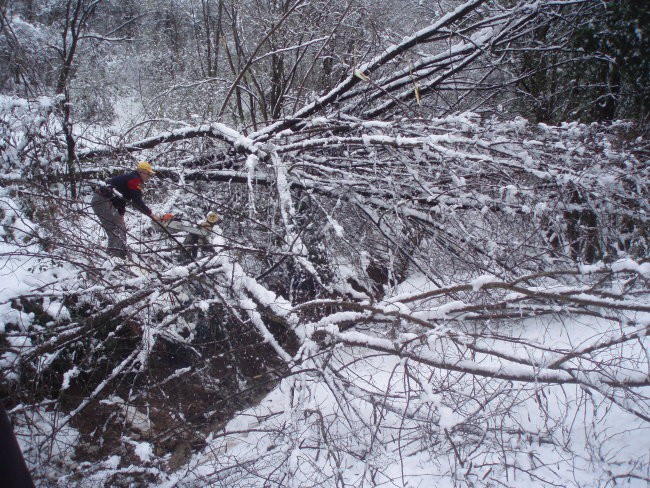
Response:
column 13, row 470
column 109, row 204
column 194, row 242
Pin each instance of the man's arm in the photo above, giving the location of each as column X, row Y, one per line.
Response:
column 138, row 202
column 135, row 189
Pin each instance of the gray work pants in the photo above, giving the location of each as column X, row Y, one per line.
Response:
column 113, row 224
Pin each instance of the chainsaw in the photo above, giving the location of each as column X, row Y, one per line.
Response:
column 173, row 224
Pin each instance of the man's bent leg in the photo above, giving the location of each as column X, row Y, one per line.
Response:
column 117, row 236
column 112, row 223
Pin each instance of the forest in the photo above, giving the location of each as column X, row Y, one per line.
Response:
column 430, row 266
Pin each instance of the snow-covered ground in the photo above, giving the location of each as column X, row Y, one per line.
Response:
column 353, row 416
column 356, row 418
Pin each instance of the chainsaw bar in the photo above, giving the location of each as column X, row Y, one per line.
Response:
column 176, row 226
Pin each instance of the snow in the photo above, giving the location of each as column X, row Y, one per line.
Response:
column 113, row 462
column 448, row 418
column 349, row 422
column 269, row 436
column 144, row 451
column 407, row 383
column 55, row 309
column 252, row 163
column 335, row 226
column 630, row 265
column 481, row 281
column 177, row 272
column 67, row 376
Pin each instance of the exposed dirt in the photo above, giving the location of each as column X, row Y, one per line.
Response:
column 186, row 393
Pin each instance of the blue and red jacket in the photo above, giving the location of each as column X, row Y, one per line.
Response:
column 129, row 187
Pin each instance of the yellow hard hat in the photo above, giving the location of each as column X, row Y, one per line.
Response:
column 212, row 217
column 146, row 167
